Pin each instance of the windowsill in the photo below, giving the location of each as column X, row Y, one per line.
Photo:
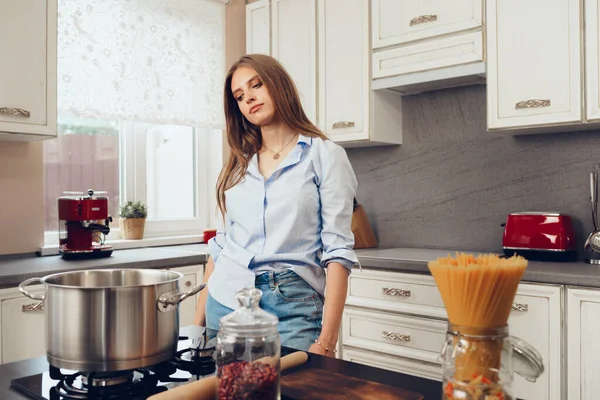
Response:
column 52, row 250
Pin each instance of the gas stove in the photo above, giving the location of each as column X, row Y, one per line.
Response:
column 194, row 360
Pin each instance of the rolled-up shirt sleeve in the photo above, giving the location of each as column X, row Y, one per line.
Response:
column 216, row 244
column 337, row 191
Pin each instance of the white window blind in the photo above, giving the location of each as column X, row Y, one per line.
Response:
column 154, row 61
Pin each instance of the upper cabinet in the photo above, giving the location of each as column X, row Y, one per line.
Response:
column 349, row 112
column 403, row 21
column 592, row 59
column 534, row 62
column 427, row 44
column 258, row 27
column 28, row 69
column 325, row 46
column 294, row 34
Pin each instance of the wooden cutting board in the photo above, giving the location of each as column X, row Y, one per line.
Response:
column 318, row 384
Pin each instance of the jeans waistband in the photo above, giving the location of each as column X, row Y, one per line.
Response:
column 276, row 277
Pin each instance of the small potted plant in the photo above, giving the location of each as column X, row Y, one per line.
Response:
column 132, row 219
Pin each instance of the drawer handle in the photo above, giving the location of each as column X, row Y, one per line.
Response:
column 422, row 19
column 520, row 307
column 15, row 112
column 343, row 124
column 395, row 292
column 33, row 307
column 395, row 336
column 535, row 103
column 188, row 283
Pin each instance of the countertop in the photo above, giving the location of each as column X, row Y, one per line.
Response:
column 15, row 269
column 415, row 260
column 428, row 388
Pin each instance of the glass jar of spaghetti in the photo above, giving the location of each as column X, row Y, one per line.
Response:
column 479, row 363
column 248, row 352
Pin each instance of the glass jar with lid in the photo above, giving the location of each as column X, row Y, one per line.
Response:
column 479, row 363
column 248, row 351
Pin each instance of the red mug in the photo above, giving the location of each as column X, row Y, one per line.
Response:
column 209, row 234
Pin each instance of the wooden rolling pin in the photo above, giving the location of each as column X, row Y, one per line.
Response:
column 205, row 388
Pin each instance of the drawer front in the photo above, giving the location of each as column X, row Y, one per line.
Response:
column 391, row 363
column 416, row 338
column 402, row 21
column 394, row 291
column 425, row 56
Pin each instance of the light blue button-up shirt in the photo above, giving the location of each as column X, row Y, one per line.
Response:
column 299, row 219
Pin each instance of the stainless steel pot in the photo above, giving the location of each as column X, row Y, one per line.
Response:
column 110, row 319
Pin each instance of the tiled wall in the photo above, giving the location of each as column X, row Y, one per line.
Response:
column 452, row 183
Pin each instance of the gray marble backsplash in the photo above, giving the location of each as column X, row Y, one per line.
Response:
column 452, row 183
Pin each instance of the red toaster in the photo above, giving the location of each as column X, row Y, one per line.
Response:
column 541, row 236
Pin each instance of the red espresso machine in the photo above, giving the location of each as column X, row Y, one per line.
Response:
column 83, row 225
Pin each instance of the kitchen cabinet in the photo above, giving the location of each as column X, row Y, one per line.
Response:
column 592, row 59
column 398, row 319
column 22, row 325
column 325, row 46
column 425, row 45
column 583, row 347
column 258, row 27
column 294, row 45
column 28, row 69
column 349, row 112
column 192, row 275
column 403, row 21
column 533, row 63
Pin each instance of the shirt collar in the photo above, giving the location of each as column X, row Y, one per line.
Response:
column 304, row 139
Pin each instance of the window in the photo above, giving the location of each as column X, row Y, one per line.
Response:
column 139, row 110
column 164, row 166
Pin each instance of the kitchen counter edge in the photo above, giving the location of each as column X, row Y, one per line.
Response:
column 413, row 260
column 16, row 269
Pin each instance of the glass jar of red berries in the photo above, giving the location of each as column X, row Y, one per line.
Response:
column 248, row 351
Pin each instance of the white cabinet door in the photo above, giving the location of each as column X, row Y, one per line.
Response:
column 28, row 68
column 536, row 318
column 258, row 27
column 187, row 308
column 23, row 328
column 402, row 21
column 294, row 45
column 583, row 346
column 344, row 77
column 533, row 62
column 592, row 59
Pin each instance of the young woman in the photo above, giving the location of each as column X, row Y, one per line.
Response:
column 287, row 194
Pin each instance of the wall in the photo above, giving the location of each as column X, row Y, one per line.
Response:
column 452, row 183
column 21, row 197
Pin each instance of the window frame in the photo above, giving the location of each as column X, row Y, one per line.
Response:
column 208, row 149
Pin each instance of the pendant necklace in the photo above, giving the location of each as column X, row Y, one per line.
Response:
column 276, row 154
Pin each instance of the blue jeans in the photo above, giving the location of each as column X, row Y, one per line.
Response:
column 297, row 305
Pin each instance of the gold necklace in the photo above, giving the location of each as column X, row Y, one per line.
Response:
column 276, row 154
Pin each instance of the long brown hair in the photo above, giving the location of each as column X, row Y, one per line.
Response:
column 244, row 138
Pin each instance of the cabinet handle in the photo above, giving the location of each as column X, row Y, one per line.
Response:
column 520, row 307
column 395, row 336
column 395, row 292
column 15, row 112
column 33, row 307
column 343, row 124
column 535, row 103
column 422, row 19
column 188, row 283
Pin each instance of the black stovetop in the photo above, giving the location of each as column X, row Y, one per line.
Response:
column 194, row 360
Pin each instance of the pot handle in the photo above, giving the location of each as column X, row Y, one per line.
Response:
column 27, row 282
column 170, row 300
